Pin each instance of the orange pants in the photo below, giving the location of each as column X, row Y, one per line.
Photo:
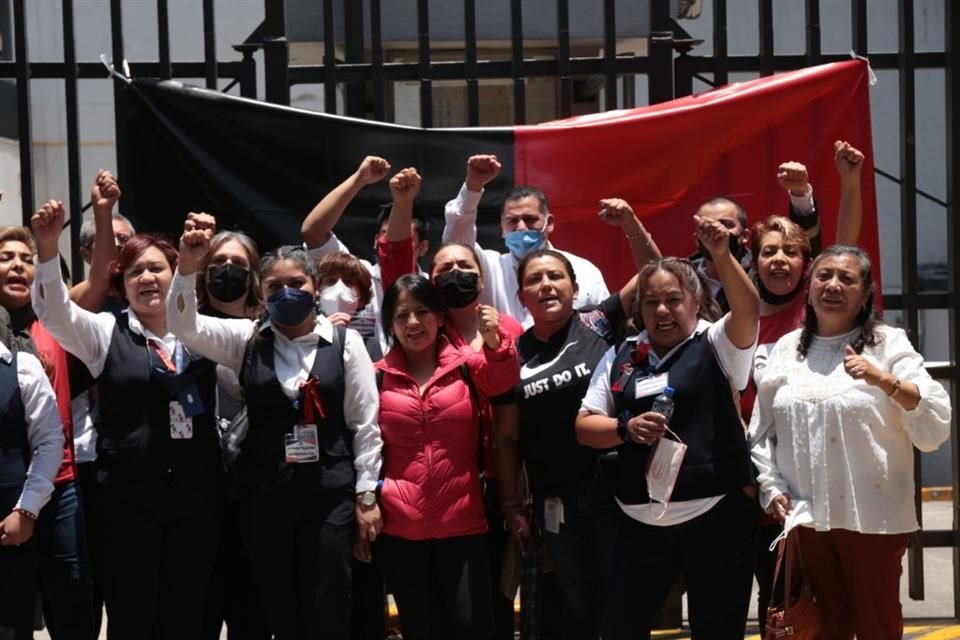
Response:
column 856, row 578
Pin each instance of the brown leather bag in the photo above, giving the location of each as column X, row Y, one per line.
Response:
column 798, row 619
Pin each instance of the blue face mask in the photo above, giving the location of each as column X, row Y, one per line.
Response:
column 290, row 307
column 520, row 243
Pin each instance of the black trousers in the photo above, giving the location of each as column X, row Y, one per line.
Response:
column 301, row 545
column 497, row 538
column 89, row 494
column 18, row 579
column 714, row 552
column 156, row 567
column 442, row 587
column 233, row 597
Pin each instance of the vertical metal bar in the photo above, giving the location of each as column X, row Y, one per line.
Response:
column 682, row 76
column 661, row 51
column 812, row 10
column 423, row 58
column 610, row 53
column 116, row 50
column 74, row 200
column 356, row 100
column 329, row 59
column 516, row 67
column 720, row 74
column 766, row 37
column 163, row 39
column 209, row 45
column 248, row 75
column 908, row 245
column 276, row 53
column 25, row 133
column 470, row 62
column 858, row 15
column 376, row 61
column 952, row 95
column 563, row 58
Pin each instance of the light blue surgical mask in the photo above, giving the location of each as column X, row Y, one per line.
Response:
column 521, row 243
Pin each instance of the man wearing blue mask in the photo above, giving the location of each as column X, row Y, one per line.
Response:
column 526, row 224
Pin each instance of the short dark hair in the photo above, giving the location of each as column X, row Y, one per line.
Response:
column 420, row 289
column 741, row 212
column 543, row 253
column 420, row 224
column 526, row 191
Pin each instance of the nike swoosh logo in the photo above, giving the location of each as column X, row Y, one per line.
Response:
column 529, row 372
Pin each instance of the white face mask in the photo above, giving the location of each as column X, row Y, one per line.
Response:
column 663, row 469
column 339, row 298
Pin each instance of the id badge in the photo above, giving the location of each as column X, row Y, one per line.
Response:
column 302, row 445
column 650, row 386
column 553, row 514
column 181, row 425
column 189, row 398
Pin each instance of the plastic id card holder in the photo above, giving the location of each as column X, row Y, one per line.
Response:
column 302, row 446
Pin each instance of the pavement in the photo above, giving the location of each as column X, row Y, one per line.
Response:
column 929, row 619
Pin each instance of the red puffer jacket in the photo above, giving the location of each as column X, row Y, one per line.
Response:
column 431, row 487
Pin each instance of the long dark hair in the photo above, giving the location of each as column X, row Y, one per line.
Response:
column 690, row 280
column 867, row 319
column 417, row 287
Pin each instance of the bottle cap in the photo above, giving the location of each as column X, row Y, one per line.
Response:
column 668, row 391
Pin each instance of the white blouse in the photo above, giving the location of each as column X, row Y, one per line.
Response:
column 225, row 341
column 840, row 444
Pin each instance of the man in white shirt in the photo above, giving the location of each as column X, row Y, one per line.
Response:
column 526, row 224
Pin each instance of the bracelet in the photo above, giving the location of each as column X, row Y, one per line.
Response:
column 896, row 388
column 622, row 420
column 24, row 512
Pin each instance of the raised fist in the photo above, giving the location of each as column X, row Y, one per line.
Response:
column 198, row 229
column 105, row 191
column 793, row 177
column 200, row 222
column 617, row 212
column 373, row 169
column 405, row 186
column 481, row 170
column 849, row 159
column 489, row 326
column 47, row 222
column 713, row 235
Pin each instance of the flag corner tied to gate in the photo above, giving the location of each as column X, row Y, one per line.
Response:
column 261, row 167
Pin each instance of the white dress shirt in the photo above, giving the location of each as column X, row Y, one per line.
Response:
column 225, row 341
column 44, row 431
column 85, row 334
column 500, row 269
column 840, row 444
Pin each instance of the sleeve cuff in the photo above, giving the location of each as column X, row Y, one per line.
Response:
column 30, row 502
column 49, row 271
column 184, row 282
column 469, row 200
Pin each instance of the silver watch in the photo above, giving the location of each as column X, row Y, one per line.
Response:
column 367, row 498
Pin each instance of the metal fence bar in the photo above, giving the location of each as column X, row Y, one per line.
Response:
column 423, row 66
column 209, row 44
column 565, row 80
column 517, row 66
column 376, row 62
column 858, row 21
column 329, row 59
column 163, row 39
column 765, row 10
column 96, row 70
column 470, row 62
column 812, row 15
column 610, row 53
column 908, row 245
column 353, row 48
column 24, row 133
column 720, row 75
column 952, row 101
column 661, row 52
column 74, row 199
column 276, row 53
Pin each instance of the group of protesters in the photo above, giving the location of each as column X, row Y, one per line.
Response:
column 200, row 435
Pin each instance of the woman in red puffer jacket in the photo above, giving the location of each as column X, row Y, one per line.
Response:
column 433, row 550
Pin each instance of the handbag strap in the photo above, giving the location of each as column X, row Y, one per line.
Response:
column 787, row 549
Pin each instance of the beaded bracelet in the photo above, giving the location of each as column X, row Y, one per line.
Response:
column 24, row 512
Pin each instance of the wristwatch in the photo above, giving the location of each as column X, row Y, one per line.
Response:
column 367, row 498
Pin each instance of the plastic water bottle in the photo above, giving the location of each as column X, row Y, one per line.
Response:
column 663, row 404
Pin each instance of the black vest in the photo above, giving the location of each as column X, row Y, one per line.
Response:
column 705, row 418
column 135, row 453
column 272, row 415
column 14, row 445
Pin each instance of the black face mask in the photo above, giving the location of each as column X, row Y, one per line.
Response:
column 227, row 282
column 736, row 248
column 458, row 288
